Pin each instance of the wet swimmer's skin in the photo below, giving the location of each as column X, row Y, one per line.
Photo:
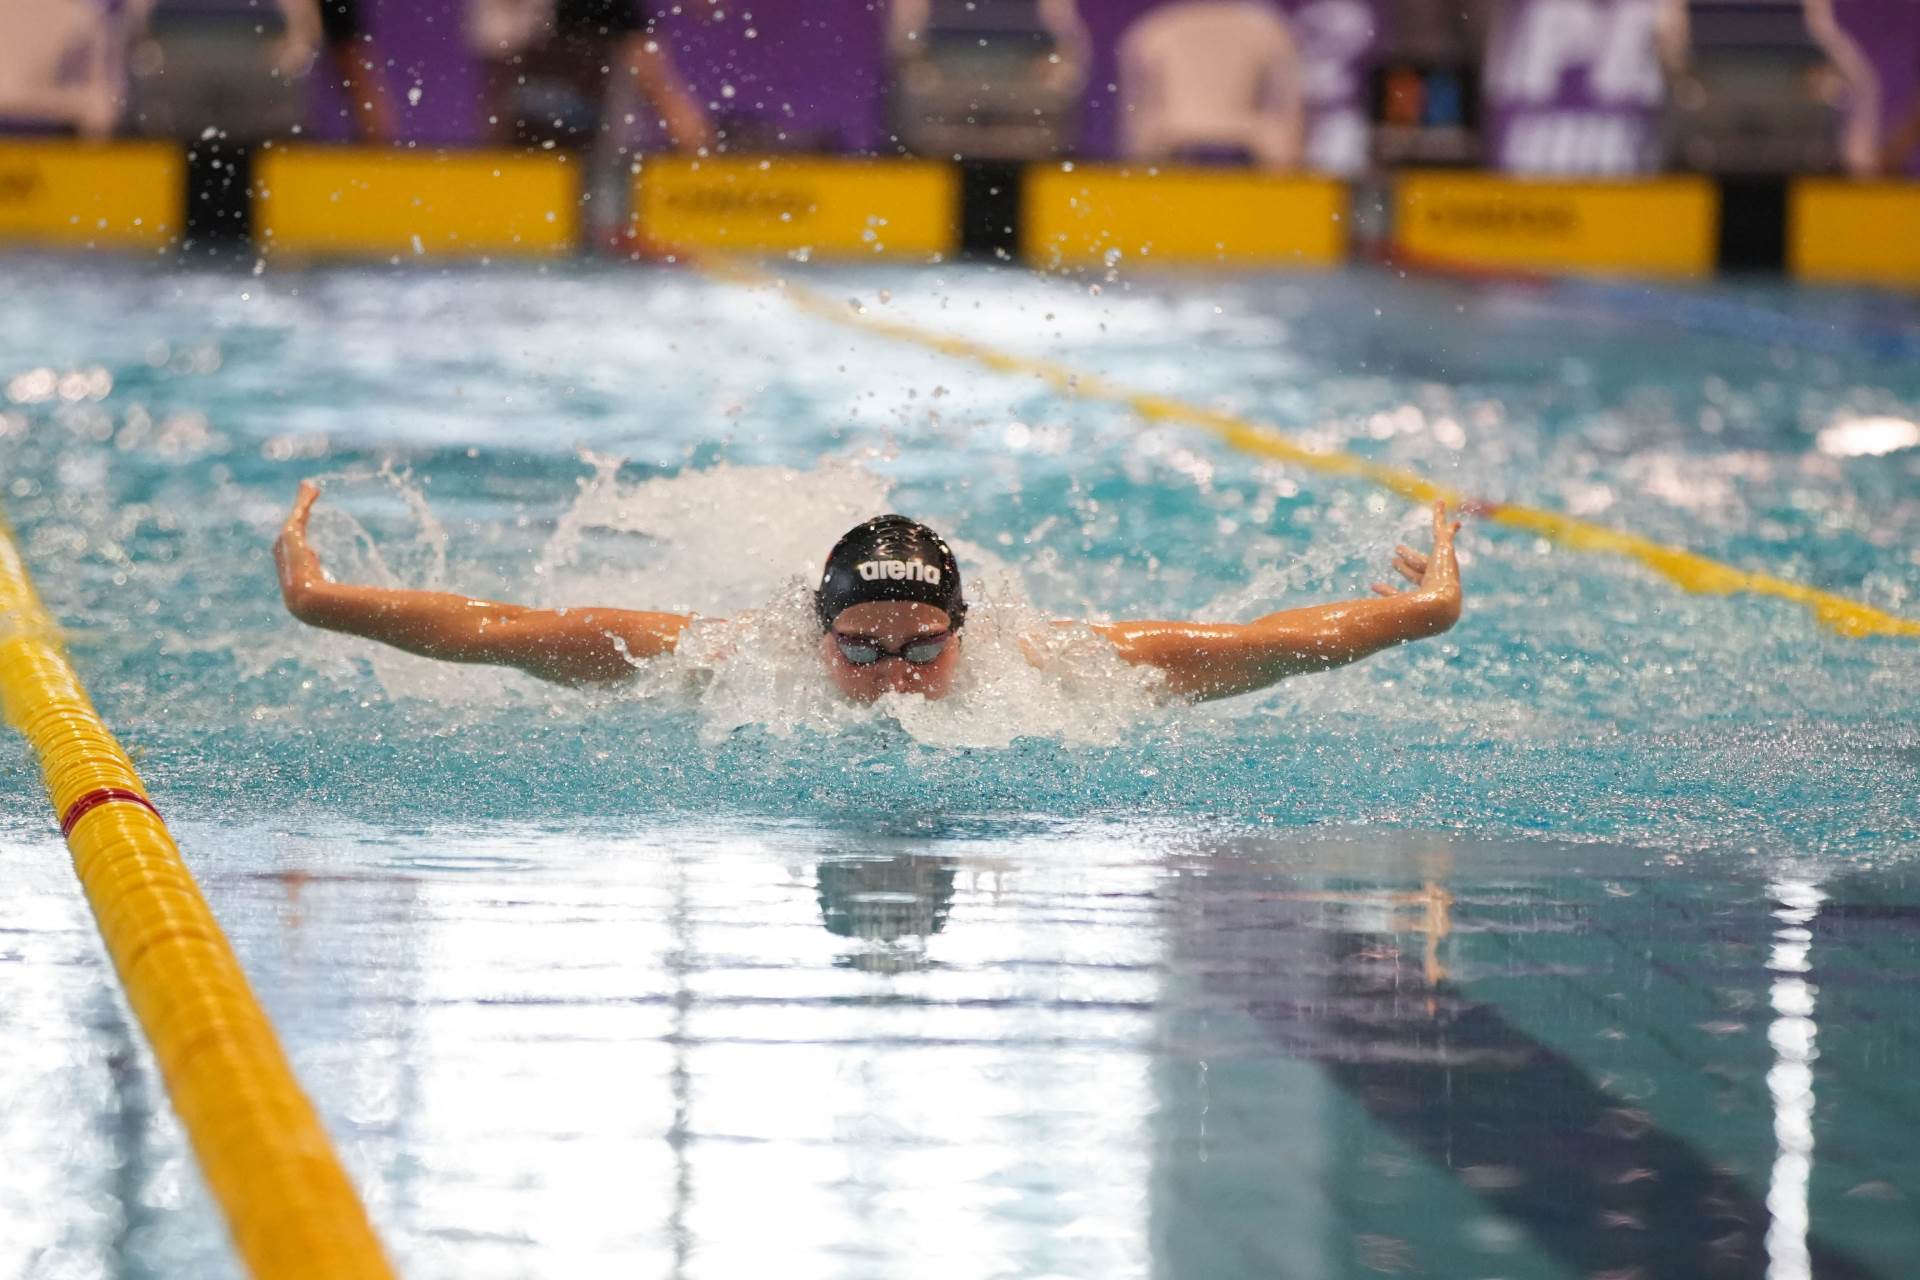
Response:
column 892, row 616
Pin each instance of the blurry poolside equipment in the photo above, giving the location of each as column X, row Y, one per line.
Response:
column 1212, row 80
column 234, row 69
column 987, row 79
column 1760, row 94
column 1424, row 89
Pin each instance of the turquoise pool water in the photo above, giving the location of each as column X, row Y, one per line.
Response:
column 1578, row 941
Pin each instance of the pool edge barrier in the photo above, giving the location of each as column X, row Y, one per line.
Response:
column 305, row 199
column 289, row 1205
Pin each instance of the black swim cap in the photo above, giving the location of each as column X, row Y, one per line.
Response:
column 889, row 558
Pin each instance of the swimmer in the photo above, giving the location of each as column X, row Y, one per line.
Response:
column 891, row 616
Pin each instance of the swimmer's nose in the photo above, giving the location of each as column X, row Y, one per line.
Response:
column 899, row 675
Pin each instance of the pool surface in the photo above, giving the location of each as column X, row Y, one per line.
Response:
column 1579, row 942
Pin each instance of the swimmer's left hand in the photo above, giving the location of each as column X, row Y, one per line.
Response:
column 1220, row 660
column 1436, row 574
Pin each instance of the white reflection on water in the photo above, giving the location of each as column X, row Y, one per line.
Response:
column 1790, row 1082
column 87, row 1162
column 664, row 1055
column 1868, row 437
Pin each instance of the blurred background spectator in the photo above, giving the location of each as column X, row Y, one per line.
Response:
column 1211, row 80
column 231, row 68
column 568, row 72
column 62, row 66
column 1874, row 49
column 1273, row 82
column 991, row 79
column 1733, row 87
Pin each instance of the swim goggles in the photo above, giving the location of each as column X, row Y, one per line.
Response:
column 864, row 651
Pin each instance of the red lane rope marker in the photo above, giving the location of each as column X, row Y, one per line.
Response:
column 94, row 799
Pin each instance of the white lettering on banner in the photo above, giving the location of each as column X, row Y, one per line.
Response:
column 1615, row 43
column 1337, row 142
column 1334, row 37
column 1628, row 68
column 898, row 570
column 1575, row 142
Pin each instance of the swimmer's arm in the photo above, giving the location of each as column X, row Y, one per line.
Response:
column 1220, row 660
column 568, row 646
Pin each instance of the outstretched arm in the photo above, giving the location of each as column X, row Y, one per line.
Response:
column 1221, row 659
column 569, row 646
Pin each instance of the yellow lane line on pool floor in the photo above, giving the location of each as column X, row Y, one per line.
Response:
column 1685, row 569
column 288, row 1203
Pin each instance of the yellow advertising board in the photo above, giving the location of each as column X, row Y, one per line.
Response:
column 1076, row 214
column 785, row 204
column 1843, row 232
column 1631, row 227
column 367, row 201
column 86, row 195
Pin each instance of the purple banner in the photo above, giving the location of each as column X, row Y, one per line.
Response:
column 793, row 76
column 1575, row 86
column 435, row 81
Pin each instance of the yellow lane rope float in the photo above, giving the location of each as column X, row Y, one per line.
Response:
column 1685, row 569
column 288, row 1203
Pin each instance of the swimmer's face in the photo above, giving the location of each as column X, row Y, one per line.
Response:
column 890, row 626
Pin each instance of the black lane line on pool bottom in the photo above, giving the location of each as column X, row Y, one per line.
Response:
column 1592, row 1179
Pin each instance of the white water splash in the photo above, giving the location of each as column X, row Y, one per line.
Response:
column 738, row 547
column 707, row 542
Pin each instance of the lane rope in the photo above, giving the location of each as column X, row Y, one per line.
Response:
column 1690, row 571
column 289, row 1205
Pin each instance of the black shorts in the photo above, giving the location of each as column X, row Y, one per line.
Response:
column 340, row 21
column 600, row 17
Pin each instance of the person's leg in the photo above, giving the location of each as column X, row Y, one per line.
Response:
column 1903, row 140
column 644, row 61
column 606, row 70
column 620, row 33
column 357, row 61
column 503, row 76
